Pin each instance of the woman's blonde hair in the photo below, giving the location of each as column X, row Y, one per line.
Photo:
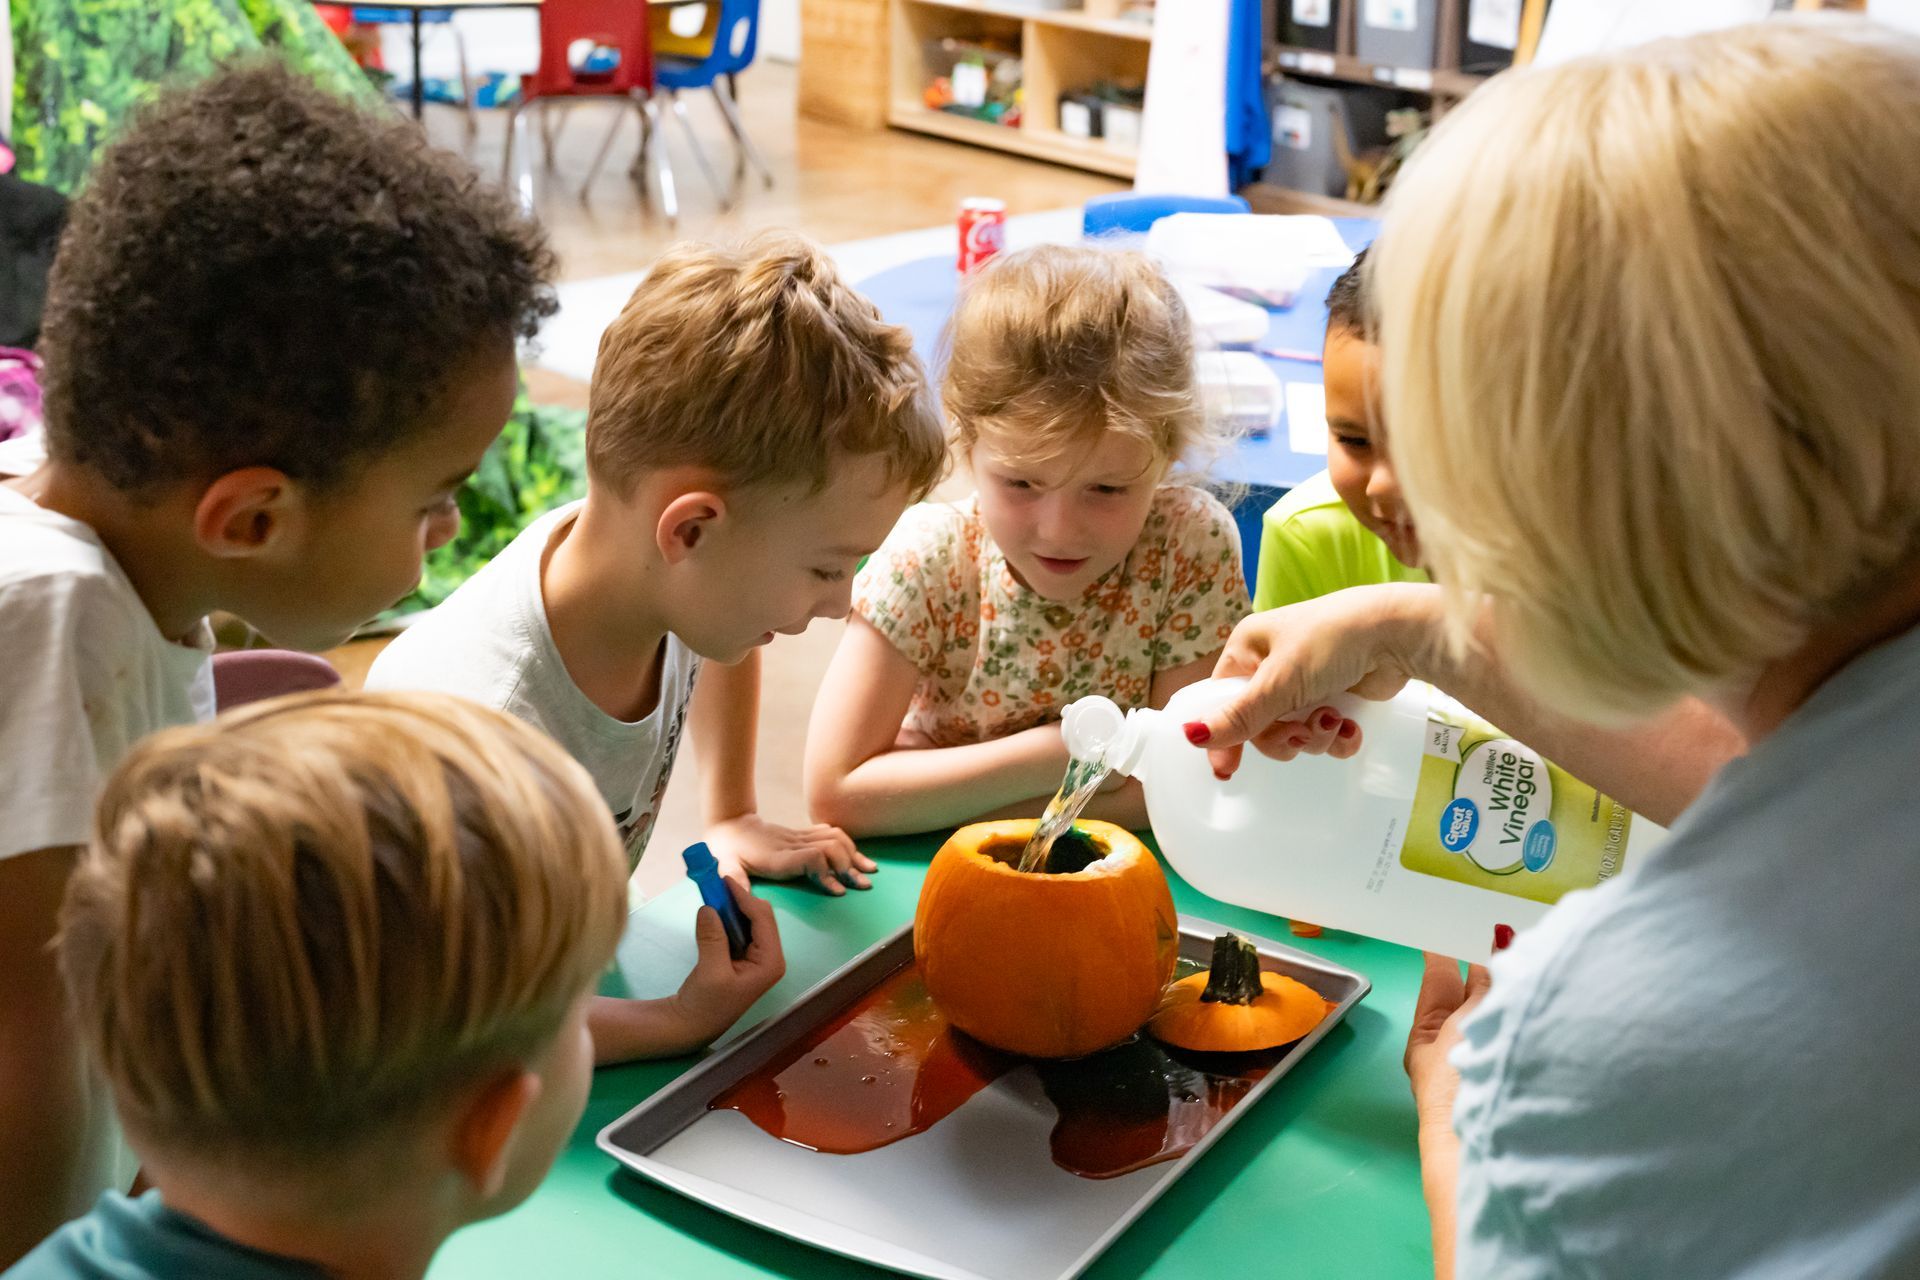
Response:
column 307, row 922
column 1053, row 346
column 1651, row 352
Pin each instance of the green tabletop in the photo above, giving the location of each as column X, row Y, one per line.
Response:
column 1321, row 1178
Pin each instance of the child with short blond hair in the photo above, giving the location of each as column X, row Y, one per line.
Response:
column 397, row 906
column 754, row 429
column 1083, row 563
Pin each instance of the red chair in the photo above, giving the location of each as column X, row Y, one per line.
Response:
column 250, row 675
column 617, row 25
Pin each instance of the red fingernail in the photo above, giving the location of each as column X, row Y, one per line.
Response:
column 1502, row 936
column 1347, row 730
column 1197, row 732
column 1223, row 775
column 1328, row 720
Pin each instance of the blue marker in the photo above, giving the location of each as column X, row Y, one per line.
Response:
column 704, row 871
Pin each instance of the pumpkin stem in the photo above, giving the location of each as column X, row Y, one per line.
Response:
column 1234, row 977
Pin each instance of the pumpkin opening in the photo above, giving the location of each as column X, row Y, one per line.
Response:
column 1075, row 850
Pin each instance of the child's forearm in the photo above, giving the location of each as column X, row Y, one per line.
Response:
column 44, row 1094
column 724, row 718
column 904, row 791
column 626, row 1030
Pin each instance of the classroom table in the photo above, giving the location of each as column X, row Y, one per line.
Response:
column 1319, row 1179
column 920, row 295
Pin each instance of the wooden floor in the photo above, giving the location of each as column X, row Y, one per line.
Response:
column 833, row 183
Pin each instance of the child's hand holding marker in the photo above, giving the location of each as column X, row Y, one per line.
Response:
column 740, row 956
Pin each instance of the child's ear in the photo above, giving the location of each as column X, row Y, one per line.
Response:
column 241, row 513
column 686, row 522
column 482, row 1140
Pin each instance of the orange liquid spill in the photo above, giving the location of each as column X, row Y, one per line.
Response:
column 890, row 1066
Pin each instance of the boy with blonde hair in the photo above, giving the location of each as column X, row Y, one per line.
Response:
column 399, row 905
column 754, row 430
column 261, row 398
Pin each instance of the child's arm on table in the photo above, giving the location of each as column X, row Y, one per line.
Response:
column 725, row 715
column 43, row 1095
column 713, row 997
column 859, row 777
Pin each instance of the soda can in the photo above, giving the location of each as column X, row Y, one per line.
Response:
column 983, row 230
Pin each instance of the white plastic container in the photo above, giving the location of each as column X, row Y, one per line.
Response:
column 1239, row 391
column 1437, row 832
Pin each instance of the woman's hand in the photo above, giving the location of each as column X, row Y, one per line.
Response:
column 1443, row 1006
column 1362, row 640
column 1445, row 1002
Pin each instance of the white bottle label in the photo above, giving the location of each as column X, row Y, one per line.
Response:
column 969, row 84
column 1494, row 23
column 1392, row 15
column 1293, row 127
column 1492, row 813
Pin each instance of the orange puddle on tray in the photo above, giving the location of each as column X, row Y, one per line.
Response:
column 890, row 1066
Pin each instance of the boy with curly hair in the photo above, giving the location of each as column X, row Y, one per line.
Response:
column 279, row 334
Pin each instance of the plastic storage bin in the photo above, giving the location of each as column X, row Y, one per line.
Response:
column 1398, row 33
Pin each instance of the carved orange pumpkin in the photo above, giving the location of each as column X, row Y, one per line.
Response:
column 1050, row 965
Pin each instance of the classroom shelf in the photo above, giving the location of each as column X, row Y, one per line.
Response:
column 1061, row 51
column 1073, row 19
column 1320, row 65
column 1039, row 143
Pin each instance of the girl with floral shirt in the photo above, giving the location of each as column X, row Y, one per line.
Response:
column 1080, row 565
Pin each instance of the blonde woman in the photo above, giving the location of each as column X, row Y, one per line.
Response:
column 1651, row 331
column 1082, row 563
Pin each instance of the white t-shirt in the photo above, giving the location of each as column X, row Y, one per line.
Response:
column 489, row 641
column 84, row 673
column 1707, row 1066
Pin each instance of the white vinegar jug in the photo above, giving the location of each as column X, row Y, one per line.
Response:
column 1439, row 830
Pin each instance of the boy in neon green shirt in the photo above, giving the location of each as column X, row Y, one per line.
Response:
column 1347, row 526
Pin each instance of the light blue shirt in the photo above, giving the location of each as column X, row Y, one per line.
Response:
column 129, row 1239
column 1710, row 1067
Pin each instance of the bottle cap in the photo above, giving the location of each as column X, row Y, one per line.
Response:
column 699, row 859
column 1090, row 725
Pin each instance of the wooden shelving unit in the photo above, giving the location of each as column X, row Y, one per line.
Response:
column 1061, row 50
column 1319, row 65
column 1444, row 64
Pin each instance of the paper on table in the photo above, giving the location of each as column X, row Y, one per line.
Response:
column 1263, row 257
column 1306, row 417
column 1578, row 27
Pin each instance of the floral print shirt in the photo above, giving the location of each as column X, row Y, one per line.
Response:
column 995, row 657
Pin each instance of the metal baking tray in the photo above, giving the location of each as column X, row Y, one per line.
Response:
column 975, row 1197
